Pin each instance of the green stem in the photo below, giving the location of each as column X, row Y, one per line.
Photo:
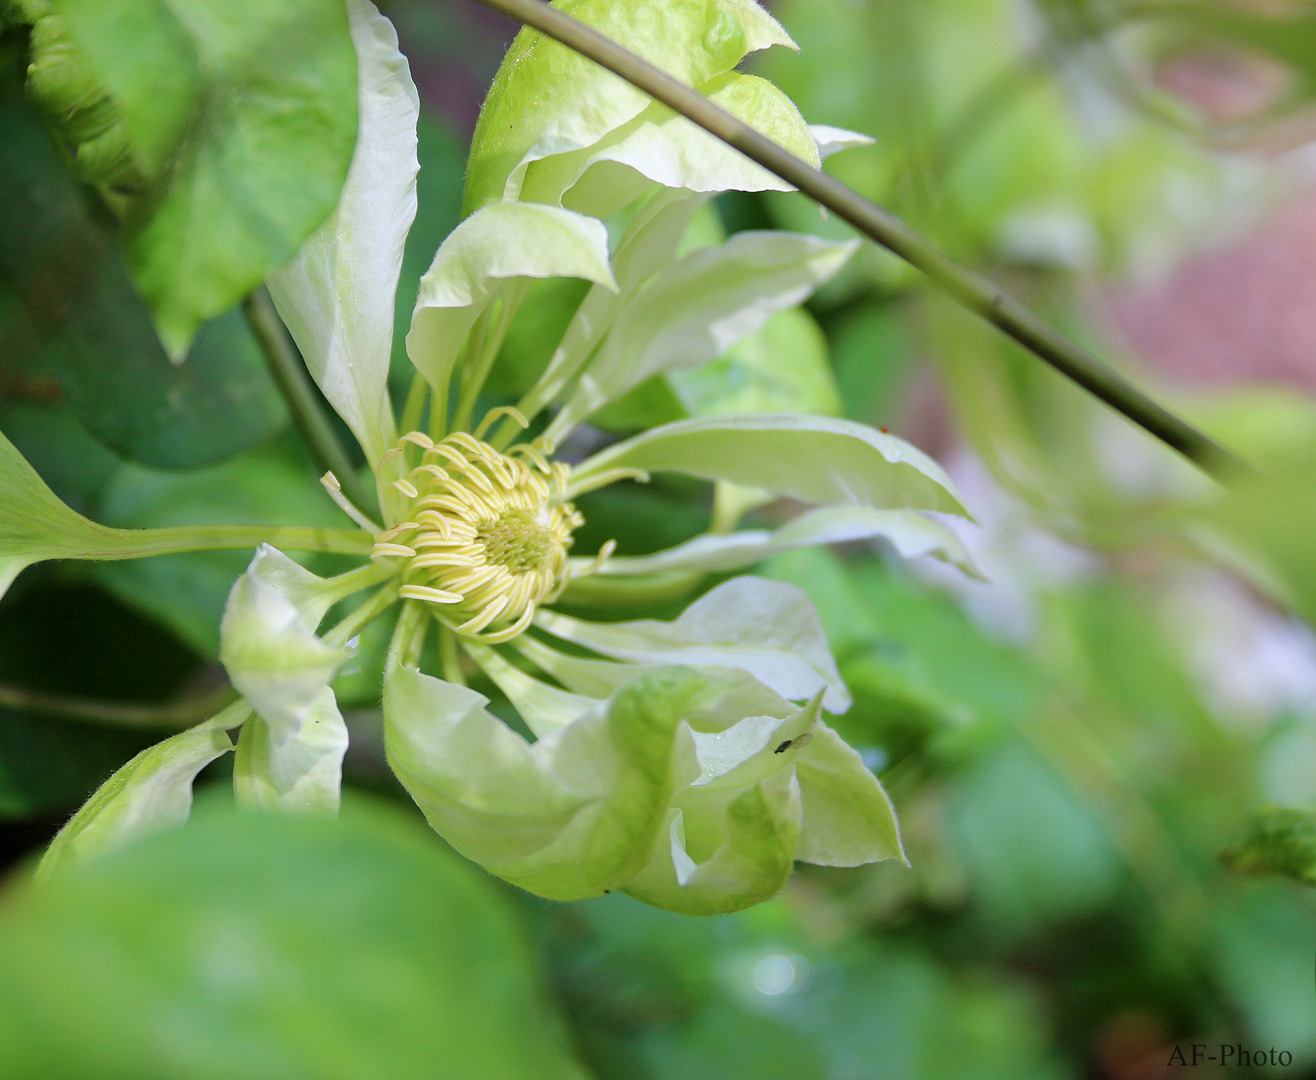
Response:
column 491, row 340
column 414, row 407
column 171, row 715
column 451, row 659
column 299, row 392
column 363, row 616
column 600, row 589
column 142, row 543
column 972, row 290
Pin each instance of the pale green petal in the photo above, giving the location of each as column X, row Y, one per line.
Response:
column 724, row 850
column 664, row 147
column 547, row 99
column 911, row 533
column 544, row 708
column 649, row 242
column 500, row 242
column 153, row 791
column 832, row 140
column 814, row 458
column 569, row 816
column 755, row 748
column 767, row 628
column 268, row 645
column 848, row 818
column 579, row 674
column 302, row 773
column 337, row 295
column 698, row 308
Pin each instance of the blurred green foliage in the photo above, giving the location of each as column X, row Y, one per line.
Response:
column 1066, row 794
column 273, row 947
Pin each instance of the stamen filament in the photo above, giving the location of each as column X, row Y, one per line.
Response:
column 335, row 489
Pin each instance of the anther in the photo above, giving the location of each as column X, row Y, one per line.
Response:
column 510, row 411
column 417, row 438
column 392, row 551
column 335, row 489
column 433, row 596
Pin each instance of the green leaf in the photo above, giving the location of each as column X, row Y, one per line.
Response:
column 36, row 525
column 814, row 458
column 244, row 141
column 911, row 533
column 292, row 759
column 271, row 947
column 547, row 99
column 66, row 265
column 152, row 792
column 1277, row 840
column 663, row 147
column 500, row 242
column 570, row 816
column 337, row 295
column 767, row 628
column 1266, row 526
column 698, row 308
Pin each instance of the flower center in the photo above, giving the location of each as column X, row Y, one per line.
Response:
column 486, row 533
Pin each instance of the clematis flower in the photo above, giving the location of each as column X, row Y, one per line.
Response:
column 686, row 762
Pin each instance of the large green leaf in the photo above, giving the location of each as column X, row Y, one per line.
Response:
column 244, row 140
column 815, row 458
column 547, row 99
column 272, row 948
column 65, row 264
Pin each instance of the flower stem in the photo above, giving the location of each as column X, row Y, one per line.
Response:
column 363, row 616
column 300, row 394
column 624, row 589
column 476, row 370
column 970, row 289
column 180, row 713
column 414, row 407
column 451, row 659
column 143, row 543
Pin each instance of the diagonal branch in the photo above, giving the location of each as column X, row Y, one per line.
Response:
column 303, row 401
column 970, row 289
